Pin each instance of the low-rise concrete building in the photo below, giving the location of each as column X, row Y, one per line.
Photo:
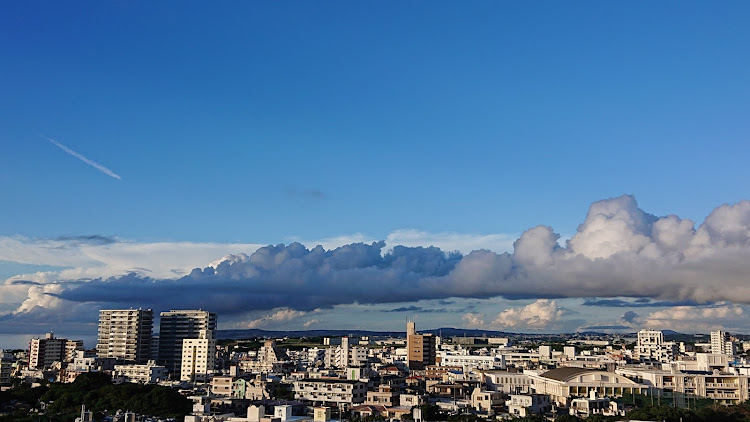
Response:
column 484, row 401
column 594, row 405
column 723, row 387
column 330, row 391
column 384, row 396
column 523, row 405
column 147, row 373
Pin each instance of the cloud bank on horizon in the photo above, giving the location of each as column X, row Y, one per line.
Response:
column 618, row 251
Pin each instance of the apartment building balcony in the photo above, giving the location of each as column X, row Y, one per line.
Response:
column 722, row 385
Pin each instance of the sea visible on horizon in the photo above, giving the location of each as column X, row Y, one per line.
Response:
column 21, row 341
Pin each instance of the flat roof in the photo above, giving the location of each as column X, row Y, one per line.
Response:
column 331, row 380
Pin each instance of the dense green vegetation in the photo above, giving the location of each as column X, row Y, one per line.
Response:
column 97, row 392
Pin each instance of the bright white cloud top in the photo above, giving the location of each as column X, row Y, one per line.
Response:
column 618, row 251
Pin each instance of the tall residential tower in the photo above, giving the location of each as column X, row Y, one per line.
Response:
column 125, row 334
column 176, row 326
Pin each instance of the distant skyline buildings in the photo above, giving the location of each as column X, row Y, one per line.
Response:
column 44, row 351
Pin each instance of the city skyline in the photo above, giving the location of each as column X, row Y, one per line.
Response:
column 489, row 165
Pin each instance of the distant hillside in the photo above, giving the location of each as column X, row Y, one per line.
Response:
column 445, row 332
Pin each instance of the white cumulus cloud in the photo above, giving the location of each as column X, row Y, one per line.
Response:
column 537, row 316
column 691, row 319
column 279, row 316
column 472, row 320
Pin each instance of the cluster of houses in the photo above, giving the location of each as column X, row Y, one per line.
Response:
column 356, row 378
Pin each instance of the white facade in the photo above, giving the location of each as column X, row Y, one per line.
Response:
column 341, row 356
column 566, row 383
column 148, row 373
column 507, row 382
column 725, row 388
column 721, row 344
column 44, row 351
column 593, row 405
column 330, row 391
column 174, row 327
column 198, row 357
column 83, row 363
column 523, row 405
column 468, row 362
column 652, row 347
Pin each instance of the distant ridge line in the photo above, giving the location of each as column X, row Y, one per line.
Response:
column 446, row 332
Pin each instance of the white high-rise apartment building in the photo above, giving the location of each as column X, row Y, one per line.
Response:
column 174, row 327
column 198, row 357
column 721, row 344
column 125, row 334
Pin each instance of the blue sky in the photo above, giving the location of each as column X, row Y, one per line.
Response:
column 267, row 122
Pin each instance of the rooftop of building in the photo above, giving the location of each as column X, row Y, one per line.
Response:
column 565, row 373
column 331, row 380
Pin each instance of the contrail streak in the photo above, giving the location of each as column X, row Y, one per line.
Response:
column 93, row 164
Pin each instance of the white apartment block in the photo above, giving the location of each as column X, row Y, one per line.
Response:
column 721, row 344
column 651, row 347
column 125, row 334
column 341, row 356
column 469, row 362
column 198, row 357
column 145, row 374
column 84, row 363
column 330, row 391
column 517, row 357
column 723, row 387
column 44, row 351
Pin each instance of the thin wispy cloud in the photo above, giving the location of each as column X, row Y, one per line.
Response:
column 92, row 163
